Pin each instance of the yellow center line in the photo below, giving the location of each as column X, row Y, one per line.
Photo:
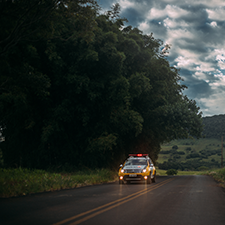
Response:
column 119, row 202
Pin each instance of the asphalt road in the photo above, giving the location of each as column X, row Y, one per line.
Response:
column 180, row 200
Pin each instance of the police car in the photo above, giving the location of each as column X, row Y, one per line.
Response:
column 138, row 167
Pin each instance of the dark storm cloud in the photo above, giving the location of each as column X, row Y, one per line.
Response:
column 157, row 28
column 198, row 89
column 195, row 18
column 187, row 43
column 134, row 16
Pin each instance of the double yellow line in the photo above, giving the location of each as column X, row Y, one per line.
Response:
column 111, row 205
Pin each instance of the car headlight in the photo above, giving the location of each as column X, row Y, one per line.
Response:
column 144, row 170
column 122, row 171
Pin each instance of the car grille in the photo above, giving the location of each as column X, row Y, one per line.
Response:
column 133, row 171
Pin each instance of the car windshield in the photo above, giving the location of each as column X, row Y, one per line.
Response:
column 136, row 162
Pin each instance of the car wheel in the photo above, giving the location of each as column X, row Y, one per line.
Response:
column 149, row 180
column 154, row 178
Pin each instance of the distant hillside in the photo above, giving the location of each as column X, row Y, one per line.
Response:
column 191, row 154
column 196, row 154
column 214, row 127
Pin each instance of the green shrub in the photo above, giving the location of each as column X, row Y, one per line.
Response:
column 176, row 157
column 193, row 155
column 181, row 153
column 219, row 175
column 171, row 172
column 202, row 168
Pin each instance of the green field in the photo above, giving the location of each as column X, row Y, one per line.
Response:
column 188, row 152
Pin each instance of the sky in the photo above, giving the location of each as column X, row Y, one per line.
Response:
column 195, row 29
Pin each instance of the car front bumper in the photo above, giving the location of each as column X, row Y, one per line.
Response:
column 131, row 177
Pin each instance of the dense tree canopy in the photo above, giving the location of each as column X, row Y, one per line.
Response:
column 78, row 87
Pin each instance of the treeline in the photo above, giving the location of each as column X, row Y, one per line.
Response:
column 80, row 88
column 214, row 126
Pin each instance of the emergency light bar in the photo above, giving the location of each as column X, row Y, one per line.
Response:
column 138, row 155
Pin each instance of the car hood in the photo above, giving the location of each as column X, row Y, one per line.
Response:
column 134, row 167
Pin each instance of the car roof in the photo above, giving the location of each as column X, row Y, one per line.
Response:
column 132, row 158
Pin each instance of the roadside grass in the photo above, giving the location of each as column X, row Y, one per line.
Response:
column 160, row 172
column 218, row 175
column 19, row 182
column 189, row 173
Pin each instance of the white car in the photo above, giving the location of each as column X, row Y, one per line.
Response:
column 138, row 167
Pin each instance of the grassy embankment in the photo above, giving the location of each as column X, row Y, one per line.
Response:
column 18, row 182
column 218, row 175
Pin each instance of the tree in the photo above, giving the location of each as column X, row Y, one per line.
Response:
column 82, row 89
column 29, row 32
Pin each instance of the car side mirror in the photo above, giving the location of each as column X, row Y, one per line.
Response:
column 121, row 165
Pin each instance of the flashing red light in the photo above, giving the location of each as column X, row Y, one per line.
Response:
column 138, row 154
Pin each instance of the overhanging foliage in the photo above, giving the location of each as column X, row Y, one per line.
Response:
column 81, row 88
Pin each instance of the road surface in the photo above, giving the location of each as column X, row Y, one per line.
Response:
column 178, row 200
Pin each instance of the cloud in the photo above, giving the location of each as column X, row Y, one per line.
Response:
column 173, row 24
column 220, row 82
column 213, row 104
column 216, row 14
column 213, row 24
column 127, row 4
column 195, row 29
column 170, row 11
